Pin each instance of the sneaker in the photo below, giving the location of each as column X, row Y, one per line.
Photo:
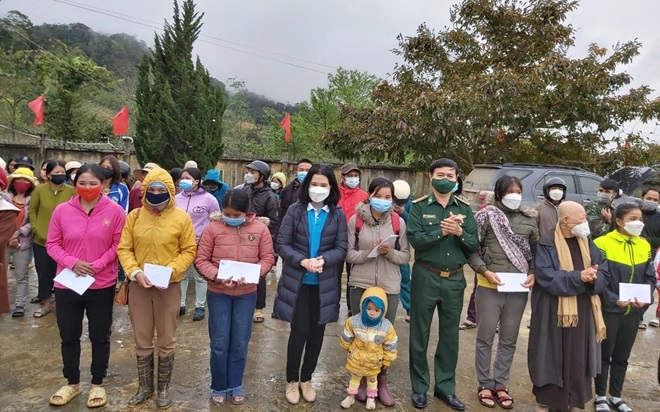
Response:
column 199, row 314
column 292, row 393
column 308, row 392
column 182, row 310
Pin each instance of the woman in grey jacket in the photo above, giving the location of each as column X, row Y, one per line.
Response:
column 372, row 224
column 508, row 235
column 312, row 244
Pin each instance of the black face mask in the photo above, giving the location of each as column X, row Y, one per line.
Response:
column 108, row 173
column 58, row 179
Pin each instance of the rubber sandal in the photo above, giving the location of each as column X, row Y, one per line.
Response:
column 654, row 322
column 484, row 397
column 407, row 319
column 40, row 313
column 467, row 324
column 258, row 318
column 66, row 394
column 35, row 300
column 601, row 405
column 219, row 394
column 238, row 393
column 642, row 326
column 500, row 399
column 19, row 312
column 619, row 406
column 97, row 392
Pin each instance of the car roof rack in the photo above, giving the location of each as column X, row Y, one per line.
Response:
column 536, row 165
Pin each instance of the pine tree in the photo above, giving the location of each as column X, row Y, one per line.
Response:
column 180, row 109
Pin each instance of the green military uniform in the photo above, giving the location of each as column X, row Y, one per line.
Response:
column 444, row 290
column 597, row 225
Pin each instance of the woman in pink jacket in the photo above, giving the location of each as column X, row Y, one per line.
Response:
column 83, row 236
column 240, row 236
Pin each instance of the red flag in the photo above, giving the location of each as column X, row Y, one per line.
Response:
column 286, row 125
column 120, row 122
column 37, row 105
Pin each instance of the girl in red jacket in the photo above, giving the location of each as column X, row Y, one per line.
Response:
column 238, row 235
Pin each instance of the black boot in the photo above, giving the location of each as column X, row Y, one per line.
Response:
column 146, row 380
column 165, row 366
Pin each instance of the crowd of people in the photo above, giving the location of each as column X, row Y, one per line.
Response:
column 106, row 222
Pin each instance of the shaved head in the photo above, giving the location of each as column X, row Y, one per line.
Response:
column 570, row 208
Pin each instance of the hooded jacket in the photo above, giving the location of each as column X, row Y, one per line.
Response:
column 629, row 261
column 213, row 176
column 25, row 231
column 384, row 270
column 651, row 230
column 249, row 243
column 199, row 205
column 350, row 199
column 264, row 203
column 523, row 223
column 293, row 246
column 165, row 238
column 369, row 347
column 74, row 235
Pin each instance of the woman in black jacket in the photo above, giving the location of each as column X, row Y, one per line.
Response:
column 312, row 243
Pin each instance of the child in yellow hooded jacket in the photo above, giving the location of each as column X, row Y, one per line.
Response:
column 371, row 342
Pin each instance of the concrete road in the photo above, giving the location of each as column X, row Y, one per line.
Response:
column 30, row 366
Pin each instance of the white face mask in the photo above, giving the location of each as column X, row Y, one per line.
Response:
column 73, row 177
column 556, row 194
column 581, row 230
column 512, row 201
column 318, row 194
column 249, row 179
column 634, row 227
column 274, row 185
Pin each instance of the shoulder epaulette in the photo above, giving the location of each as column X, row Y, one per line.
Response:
column 462, row 199
column 420, row 199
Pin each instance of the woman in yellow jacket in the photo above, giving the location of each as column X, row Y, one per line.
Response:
column 160, row 234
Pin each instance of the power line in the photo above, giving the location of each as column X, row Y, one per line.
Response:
column 86, row 7
column 134, row 20
column 70, row 66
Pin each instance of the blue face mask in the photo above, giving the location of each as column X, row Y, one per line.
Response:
column 301, row 176
column 352, row 182
column 186, row 185
column 233, row 221
column 380, row 205
column 455, row 189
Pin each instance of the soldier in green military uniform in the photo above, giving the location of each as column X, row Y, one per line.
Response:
column 442, row 229
column 600, row 211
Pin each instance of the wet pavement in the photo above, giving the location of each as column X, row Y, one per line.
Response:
column 30, row 366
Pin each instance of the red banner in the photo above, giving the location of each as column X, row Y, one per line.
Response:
column 38, row 105
column 286, row 125
column 120, row 122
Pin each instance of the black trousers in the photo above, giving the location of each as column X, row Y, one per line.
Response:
column 97, row 304
column 306, row 335
column 621, row 335
column 46, row 271
column 261, row 293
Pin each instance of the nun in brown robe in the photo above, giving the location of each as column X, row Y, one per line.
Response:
column 563, row 361
column 8, row 214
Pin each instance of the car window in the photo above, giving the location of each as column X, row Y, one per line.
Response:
column 520, row 174
column 480, row 177
column 568, row 178
column 589, row 185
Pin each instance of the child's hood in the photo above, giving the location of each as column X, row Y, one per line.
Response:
column 375, row 292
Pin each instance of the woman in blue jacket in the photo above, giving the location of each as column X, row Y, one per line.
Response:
column 312, row 242
column 112, row 185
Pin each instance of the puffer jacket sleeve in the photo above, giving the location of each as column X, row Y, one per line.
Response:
column 337, row 253
column 204, row 259
column 188, row 247
column 401, row 256
column 390, row 346
column 266, row 251
column 353, row 254
column 285, row 247
column 126, row 248
column 347, row 336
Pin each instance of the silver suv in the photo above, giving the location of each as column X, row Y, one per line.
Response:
column 581, row 185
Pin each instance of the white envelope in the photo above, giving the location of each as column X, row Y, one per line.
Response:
column 630, row 291
column 390, row 240
column 236, row 270
column 512, row 282
column 159, row 276
column 78, row 284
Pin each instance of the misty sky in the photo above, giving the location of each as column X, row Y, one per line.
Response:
column 355, row 34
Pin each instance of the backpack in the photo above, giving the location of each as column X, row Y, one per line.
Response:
column 396, row 228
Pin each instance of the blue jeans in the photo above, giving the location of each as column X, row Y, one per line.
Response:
column 230, row 328
column 404, row 295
